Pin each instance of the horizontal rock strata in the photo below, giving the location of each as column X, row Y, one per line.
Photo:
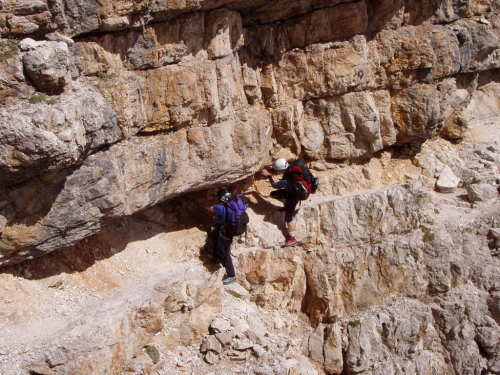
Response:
column 82, row 82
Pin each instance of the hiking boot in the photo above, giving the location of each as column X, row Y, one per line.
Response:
column 290, row 243
column 228, row 280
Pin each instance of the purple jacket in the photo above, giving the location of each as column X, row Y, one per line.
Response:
column 281, row 184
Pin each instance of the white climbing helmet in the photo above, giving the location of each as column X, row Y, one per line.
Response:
column 280, row 164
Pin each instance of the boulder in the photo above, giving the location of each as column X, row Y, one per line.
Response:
column 447, row 181
column 482, row 192
column 211, row 358
column 47, row 67
column 225, row 337
column 210, row 343
column 41, row 138
column 220, row 325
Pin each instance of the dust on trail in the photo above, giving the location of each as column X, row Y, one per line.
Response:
column 42, row 296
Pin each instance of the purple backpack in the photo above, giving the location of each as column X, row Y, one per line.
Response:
column 236, row 215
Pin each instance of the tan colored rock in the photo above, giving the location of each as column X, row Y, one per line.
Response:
column 417, row 112
column 334, row 362
column 224, row 31
column 315, row 345
column 22, row 25
column 456, row 109
column 251, row 84
column 13, row 85
column 133, row 175
column 417, row 53
column 107, row 338
column 24, row 7
column 237, row 290
column 277, row 278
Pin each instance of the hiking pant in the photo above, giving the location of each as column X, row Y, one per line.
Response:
column 290, row 203
column 227, row 262
column 221, row 249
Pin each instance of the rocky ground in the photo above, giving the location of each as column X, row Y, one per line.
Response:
column 117, row 117
column 51, row 302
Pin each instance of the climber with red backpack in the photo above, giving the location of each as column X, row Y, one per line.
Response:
column 232, row 220
column 295, row 186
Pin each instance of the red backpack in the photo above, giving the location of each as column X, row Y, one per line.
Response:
column 301, row 185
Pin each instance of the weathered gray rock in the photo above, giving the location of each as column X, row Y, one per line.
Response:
column 225, row 337
column 487, row 154
column 57, row 37
column 47, row 66
column 447, row 181
column 242, row 345
column 366, row 217
column 257, row 330
column 464, row 326
column 482, row 192
column 259, row 351
column 220, row 325
column 404, row 328
column 236, row 355
column 43, row 138
column 210, row 343
column 302, row 367
column 211, row 358
column 315, row 345
column 29, row 44
column 495, row 235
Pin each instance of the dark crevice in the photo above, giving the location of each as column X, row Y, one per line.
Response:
column 297, row 17
column 145, row 134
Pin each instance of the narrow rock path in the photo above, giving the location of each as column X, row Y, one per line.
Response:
column 44, row 295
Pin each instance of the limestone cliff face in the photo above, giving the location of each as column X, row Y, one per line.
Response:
column 145, row 101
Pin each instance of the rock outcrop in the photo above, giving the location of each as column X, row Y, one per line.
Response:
column 208, row 76
column 111, row 335
column 120, row 111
